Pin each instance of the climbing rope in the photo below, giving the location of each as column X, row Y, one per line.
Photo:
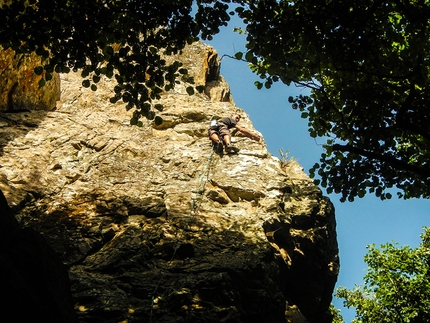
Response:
column 193, row 206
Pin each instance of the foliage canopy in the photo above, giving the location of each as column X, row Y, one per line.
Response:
column 367, row 65
column 397, row 288
column 365, row 62
column 121, row 39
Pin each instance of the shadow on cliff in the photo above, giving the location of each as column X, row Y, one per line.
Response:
column 166, row 269
column 35, row 284
column 160, row 266
column 17, row 124
column 206, row 275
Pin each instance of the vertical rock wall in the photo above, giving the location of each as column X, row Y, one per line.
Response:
column 155, row 226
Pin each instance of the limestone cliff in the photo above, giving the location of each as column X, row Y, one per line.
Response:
column 153, row 225
column 19, row 86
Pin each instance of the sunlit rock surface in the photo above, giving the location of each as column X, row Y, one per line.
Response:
column 155, row 226
column 19, row 86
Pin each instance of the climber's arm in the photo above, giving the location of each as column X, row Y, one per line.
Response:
column 248, row 133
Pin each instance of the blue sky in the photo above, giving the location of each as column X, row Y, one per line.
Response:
column 361, row 223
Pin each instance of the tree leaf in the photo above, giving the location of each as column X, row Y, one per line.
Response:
column 133, row 121
column 38, row 70
column 158, row 120
column 159, row 107
column 190, row 90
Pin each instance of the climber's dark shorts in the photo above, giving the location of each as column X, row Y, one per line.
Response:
column 221, row 131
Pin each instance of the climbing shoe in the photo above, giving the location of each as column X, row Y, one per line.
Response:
column 219, row 147
column 230, row 149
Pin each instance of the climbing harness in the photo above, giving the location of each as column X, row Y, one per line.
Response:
column 193, row 206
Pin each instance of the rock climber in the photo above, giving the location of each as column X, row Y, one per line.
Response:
column 221, row 131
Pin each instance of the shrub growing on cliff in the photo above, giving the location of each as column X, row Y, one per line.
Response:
column 397, row 286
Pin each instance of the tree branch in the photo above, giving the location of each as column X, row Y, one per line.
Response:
column 396, row 163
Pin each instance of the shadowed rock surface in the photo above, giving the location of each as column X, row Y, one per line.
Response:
column 153, row 225
column 34, row 283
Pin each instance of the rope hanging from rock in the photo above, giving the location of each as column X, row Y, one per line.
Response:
column 193, row 206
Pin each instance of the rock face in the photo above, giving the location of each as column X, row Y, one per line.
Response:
column 19, row 86
column 153, row 225
column 35, row 284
